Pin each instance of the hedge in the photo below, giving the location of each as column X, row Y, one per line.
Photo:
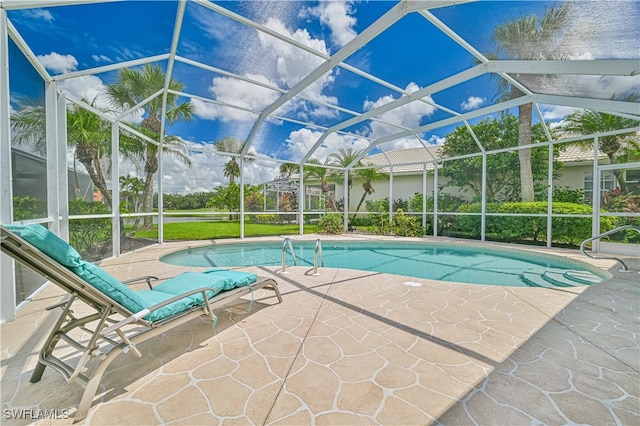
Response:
column 565, row 230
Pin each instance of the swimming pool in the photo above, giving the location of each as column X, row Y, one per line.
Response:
column 445, row 262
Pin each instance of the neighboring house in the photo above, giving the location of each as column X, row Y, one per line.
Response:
column 576, row 173
column 30, row 177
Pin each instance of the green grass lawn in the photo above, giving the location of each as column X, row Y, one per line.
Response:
column 221, row 229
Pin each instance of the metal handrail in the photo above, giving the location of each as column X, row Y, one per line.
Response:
column 287, row 243
column 317, row 249
column 605, row 234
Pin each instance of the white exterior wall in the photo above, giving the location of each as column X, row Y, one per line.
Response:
column 573, row 176
column 406, row 185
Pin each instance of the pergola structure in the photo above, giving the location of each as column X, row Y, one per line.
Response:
column 600, row 81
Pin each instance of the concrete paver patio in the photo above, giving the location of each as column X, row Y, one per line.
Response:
column 355, row 347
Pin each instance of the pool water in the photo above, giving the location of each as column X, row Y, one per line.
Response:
column 421, row 260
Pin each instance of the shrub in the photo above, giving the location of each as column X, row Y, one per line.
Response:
column 91, row 237
column 406, row 226
column 401, row 225
column 565, row 230
column 331, row 223
column 29, row 208
column 263, row 218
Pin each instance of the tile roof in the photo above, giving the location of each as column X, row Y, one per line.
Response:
column 412, row 160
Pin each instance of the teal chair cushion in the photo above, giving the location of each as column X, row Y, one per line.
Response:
column 235, row 278
column 103, row 281
column 152, row 297
column 48, row 243
column 188, row 281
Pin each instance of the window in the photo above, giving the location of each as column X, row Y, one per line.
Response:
column 607, row 183
column 632, row 178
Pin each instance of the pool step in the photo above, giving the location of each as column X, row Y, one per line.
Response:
column 559, row 278
column 534, row 279
column 583, row 277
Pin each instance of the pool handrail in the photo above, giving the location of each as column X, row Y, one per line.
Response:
column 605, row 234
column 287, row 243
column 318, row 248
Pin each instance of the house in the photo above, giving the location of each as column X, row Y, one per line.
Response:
column 30, row 177
column 410, row 164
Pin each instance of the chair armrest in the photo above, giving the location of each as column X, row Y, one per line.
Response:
column 147, row 278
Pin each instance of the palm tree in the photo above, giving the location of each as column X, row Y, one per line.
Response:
column 586, row 122
column 528, row 38
column 368, row 176
column 343, row 158
column 322, row 174
column 131, row 187
column 131, row 87
column 28, row 125
column 287, row 169
column 89, row 134
column 230, row 145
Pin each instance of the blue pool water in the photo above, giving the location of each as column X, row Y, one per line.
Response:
column 420, row 260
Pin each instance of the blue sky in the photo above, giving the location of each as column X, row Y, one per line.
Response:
column 409, row 55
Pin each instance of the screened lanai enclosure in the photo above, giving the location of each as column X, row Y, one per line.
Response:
column 513, row 121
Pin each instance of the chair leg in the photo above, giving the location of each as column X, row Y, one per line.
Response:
column 277, row 291
column 93, row 383
column 51, row 342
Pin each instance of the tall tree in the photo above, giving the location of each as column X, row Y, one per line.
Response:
column 230, row 145
column 586, row 122
column 88, row 134
column 91, row 136
column 368, row 177
column 343, row 158
column 528, row 38
column 131, row 187
column 132, row 86
column 503, row 178
column 28, row 125
column 288, row 169
column 322, row 174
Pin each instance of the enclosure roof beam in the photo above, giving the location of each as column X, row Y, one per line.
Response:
column 622, row 67
column 469, row 48
column 602, row 105
column 32, row 4
column 443, row 84
column 446, row 122
column 112, row 67
column 26, row 51
column 385, row 21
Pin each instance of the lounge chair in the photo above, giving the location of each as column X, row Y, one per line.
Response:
column 120, row 318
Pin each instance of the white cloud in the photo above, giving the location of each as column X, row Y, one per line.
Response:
column 38, row 14
column 555, row 112
column 207, row 171
column 472, row 103
column 408, row 115
column 280, row 64
column 335, row 15
column 88, row 87
column 435, row 140
column 58, row 63
column 301, row 141
column 293, row 64
column 236, row 92
column 101, row 58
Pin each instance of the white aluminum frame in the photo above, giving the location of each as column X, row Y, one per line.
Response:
column 58, row 213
